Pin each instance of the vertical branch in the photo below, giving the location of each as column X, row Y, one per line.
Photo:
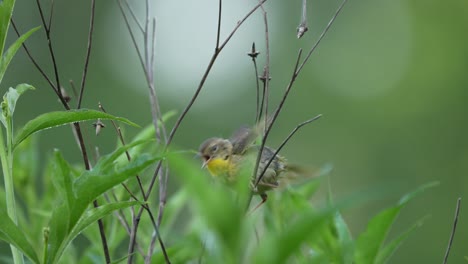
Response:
column 88, row 53
column 274, row 117
column 452, row 234
column 266, row 70
column 302, row 28
column 52, row 54
column 207, row 71
column 34, row 62
column 220, row 8
column 258, row 112
column 324, row 32
column 297, row 70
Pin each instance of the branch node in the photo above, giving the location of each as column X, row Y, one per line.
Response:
column 253, row 53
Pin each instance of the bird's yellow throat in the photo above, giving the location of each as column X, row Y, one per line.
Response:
column 219, row 166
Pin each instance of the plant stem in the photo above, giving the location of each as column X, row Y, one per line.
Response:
column 6, row 159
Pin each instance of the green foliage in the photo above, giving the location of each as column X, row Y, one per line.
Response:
column 12, row 234
column 292, row 230
column 58, row 118
column 6, row 10
column 8, row 56
column 369, row 244
column 68, row 220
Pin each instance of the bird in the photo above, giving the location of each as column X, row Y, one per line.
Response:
column 225, row 159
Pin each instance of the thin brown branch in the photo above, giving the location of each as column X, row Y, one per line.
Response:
column 220, row 8
column 266, row 69
column 258, row 111
column 134, row 17
column 132, row 36
column 286, row 141
column 72, row 85
column 302, row 28
column 324, row 32
column 454, row 228
column 240, row 23
column 31, row 58
column 207, row 71
column 52, row 54
column 52, row 4
column 88, row 53
column 105, row 247
column 275, row 116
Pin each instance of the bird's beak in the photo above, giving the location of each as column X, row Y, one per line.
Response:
column 205, row 163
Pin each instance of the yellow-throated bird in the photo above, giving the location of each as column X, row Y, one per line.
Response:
column 224, row 158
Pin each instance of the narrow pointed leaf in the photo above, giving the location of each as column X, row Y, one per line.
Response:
column 11, row 234
column 90, row 217
column 390, row 248
column 53, row 119
column 278, row 248
column 369, row 243
column 13, row 95
column 6, row 9
column 63, row 179
column 8, row 56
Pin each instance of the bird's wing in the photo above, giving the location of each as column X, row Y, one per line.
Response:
column 242, row 139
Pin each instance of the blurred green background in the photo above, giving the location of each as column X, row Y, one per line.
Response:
column 390, row 79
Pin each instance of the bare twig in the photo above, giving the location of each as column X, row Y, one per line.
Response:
column 52, row 54
column 147, row 63
column 144, row 206
column 286, row 141
column 72, row 85
column 324, row 32
column 132, row 36
column 275, row 115
column 207, row 71
column 258, row 112
column 88, row 53
column 452, row 234
column 297, row 70
column 31, row 58
column 52, row 4
column 220, row 8
column 134, row 17
column 266, row 70
column 302, row 28
column 105, row 247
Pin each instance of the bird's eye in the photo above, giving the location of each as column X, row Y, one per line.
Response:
column 214, row 148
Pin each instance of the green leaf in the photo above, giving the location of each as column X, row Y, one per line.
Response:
column 63, row 179
column 277, row 248
column 9, row 101
column 53, row 119
column 6, row 10
column 214, row 203
column 369, row 243
column 11, row 234
column 345, row 239
column 90, row 217
column 69, row 219
column 390, row 248
column 8, row 56
column 104, row 176
column 13, row 94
